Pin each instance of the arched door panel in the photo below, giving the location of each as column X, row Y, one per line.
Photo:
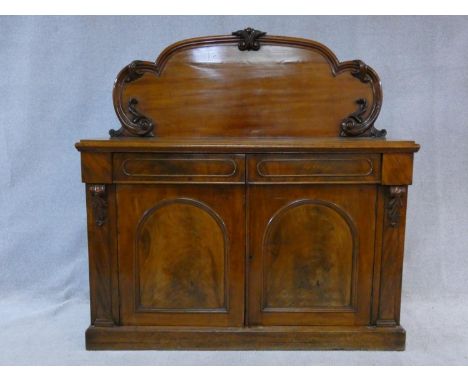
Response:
column 310, row 254
column 181, row 254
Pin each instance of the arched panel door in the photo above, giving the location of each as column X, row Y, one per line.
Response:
column 181, row 255
column 311, row 254
column 185, row 268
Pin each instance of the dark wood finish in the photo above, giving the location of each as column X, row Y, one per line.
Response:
column 290, row 87
column 310, row 255
column 394, row 206
column 249, row 216
column 98, row 203
column 318, row 168
column 102, row 249
column 393, row 239
column 96, row 167
column 175, row 168
column 248, row 145
column 141, row 125
column 249, row 38
column 257, row 338
column 397, row 169
column 181, row 255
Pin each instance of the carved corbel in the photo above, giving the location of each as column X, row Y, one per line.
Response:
column 249, row 38
column 395, row 205
column 98, row 203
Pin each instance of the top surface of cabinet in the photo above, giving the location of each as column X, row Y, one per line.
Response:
column 229, row 144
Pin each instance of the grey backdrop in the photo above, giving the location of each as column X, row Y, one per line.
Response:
column 56, row 83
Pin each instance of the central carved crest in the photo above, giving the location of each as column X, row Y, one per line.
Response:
column 249, row 38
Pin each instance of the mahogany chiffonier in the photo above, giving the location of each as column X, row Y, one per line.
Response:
column 246, row 202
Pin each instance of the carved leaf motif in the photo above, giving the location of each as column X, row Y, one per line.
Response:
column 133, row 72
column 144, row 125
column 99, row 203
column 249, row 38
column 354, row 124
column 138, row 118
column 394, row 205
column 362, row 72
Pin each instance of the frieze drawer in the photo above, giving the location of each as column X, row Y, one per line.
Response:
column 313, row 168
column 175, row 168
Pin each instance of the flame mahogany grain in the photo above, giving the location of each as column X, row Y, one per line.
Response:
column 247, row 202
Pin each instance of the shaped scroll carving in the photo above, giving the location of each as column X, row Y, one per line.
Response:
column 249, row 38
column 395, row 205
column 355, row 125
column 178, row 97
column 98, row 203
column 142, row 126
column 362, row 72
column 133, row 72
column 361, row 122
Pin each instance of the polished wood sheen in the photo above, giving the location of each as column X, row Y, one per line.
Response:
column 288, row 87
column 310, row 248
column 267, row 83
column 305, row 266
column 181, row 254
column 181, row 269
column 183, row 168
column 247, row 202
column 247, row 145
column 317, row 168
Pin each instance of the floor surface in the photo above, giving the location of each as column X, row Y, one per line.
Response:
column 46, row 333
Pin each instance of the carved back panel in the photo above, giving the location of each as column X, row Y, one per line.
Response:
column 247, row 85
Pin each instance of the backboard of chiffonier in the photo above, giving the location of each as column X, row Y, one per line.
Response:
column 246, row 202
column 289, row 88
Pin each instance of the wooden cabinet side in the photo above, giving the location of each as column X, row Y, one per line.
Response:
column 390, row 237
column 102, row 235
